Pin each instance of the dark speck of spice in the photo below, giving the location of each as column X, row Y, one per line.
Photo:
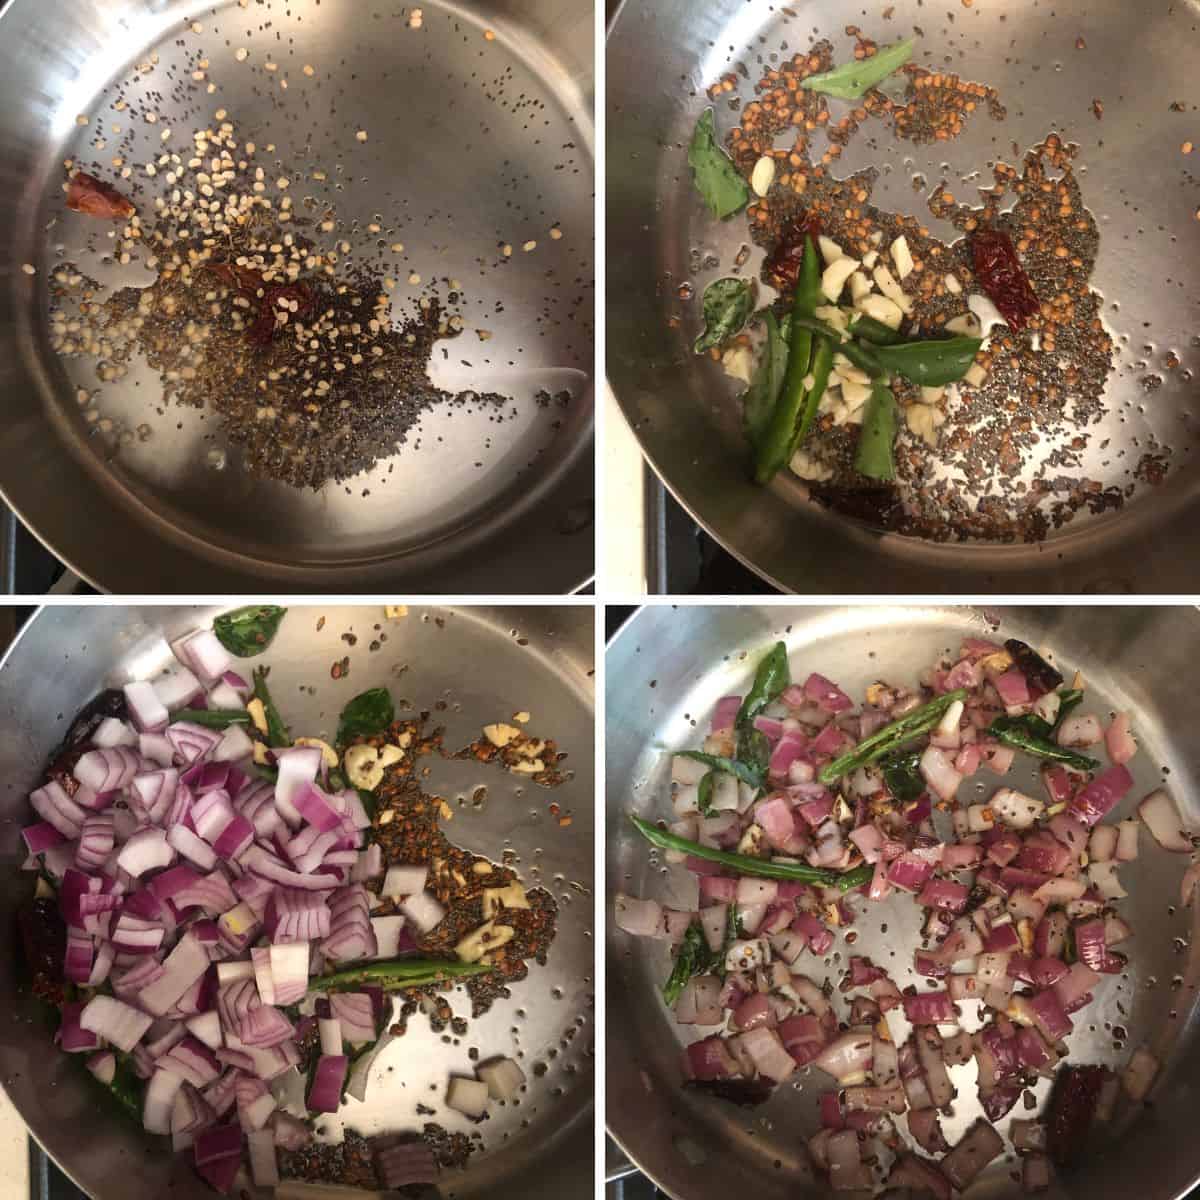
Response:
column 340, row 670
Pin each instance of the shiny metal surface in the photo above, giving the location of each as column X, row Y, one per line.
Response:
column 473, row 143
column 666, row 669
column 485, row 664
column 1139, row 59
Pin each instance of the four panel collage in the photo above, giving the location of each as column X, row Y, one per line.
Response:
column 585, row 593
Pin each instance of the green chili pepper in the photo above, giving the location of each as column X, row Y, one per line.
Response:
column 852, row 80
column 759, row 400
column 1020, row 733
column 731, row 766
column 213, row 718
column 890, row 737
column 126, row 1088
column 930, row 362
column 772, row 452
column 704, row 792
column 1069, row 699
column 861, row 355
column 692, row 958
column 874, row 457
column 716, row 178
column 902, row 774
column 397, row 974
column 873, row 331
column 745, row 865
column 278, row 734
column 822, row 363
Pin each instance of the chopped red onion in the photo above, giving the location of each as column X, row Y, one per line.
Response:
column 1104, row 792
column 115, row 1022
column 1162, row 818
column 325, row 1095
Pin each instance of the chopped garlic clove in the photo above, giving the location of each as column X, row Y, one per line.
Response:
column 362, row 767
column 931, row 395
column 808, row 467
column 830, row 250
column 489, row 936
column 952, row 284
column 738, row 363
column 886, row 312
column 834, row 277
column 845, row 369
column 860, row 286
column 965, row 323
column 855, row 395
column 975, row 374
column 763, row 175
column 890, row 287
column 328, row 753
column 831, row 398
column 831, row 315
column 985, row 311
column 902, row 257
column 500, row 734
column 510, row 896
column 924, row 420
column 870, row 259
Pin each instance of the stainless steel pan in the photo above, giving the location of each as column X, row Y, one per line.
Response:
column 667, row 667
column 484, row 663
column 1138, row 60
column 473, row 143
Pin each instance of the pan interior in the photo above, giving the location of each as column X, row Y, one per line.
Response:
column 700, row 1145
column 469, row 667
column 1133, row 176
column 476, row 138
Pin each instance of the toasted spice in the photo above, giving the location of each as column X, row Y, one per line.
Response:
column 1010, row 463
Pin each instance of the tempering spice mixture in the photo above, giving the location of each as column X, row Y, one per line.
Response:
column 253, row 314
column 1008, row 462
column 407, row 827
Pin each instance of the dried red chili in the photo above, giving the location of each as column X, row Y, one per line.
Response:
column 87, row 194
column 1072, row 1109
column 783, row 265
column 263, row 329
column 250, row 283
column 1002, row 276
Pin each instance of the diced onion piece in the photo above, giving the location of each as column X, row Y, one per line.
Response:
column 402, row 880
column 264, row 1165
column 1162, row 818
column 467, row 1096
column 503, row 1077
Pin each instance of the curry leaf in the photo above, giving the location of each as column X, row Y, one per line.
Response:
column 852, row 80
column 250, row 630
column 369, row 712
column 727, row 304
column 716, row 178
